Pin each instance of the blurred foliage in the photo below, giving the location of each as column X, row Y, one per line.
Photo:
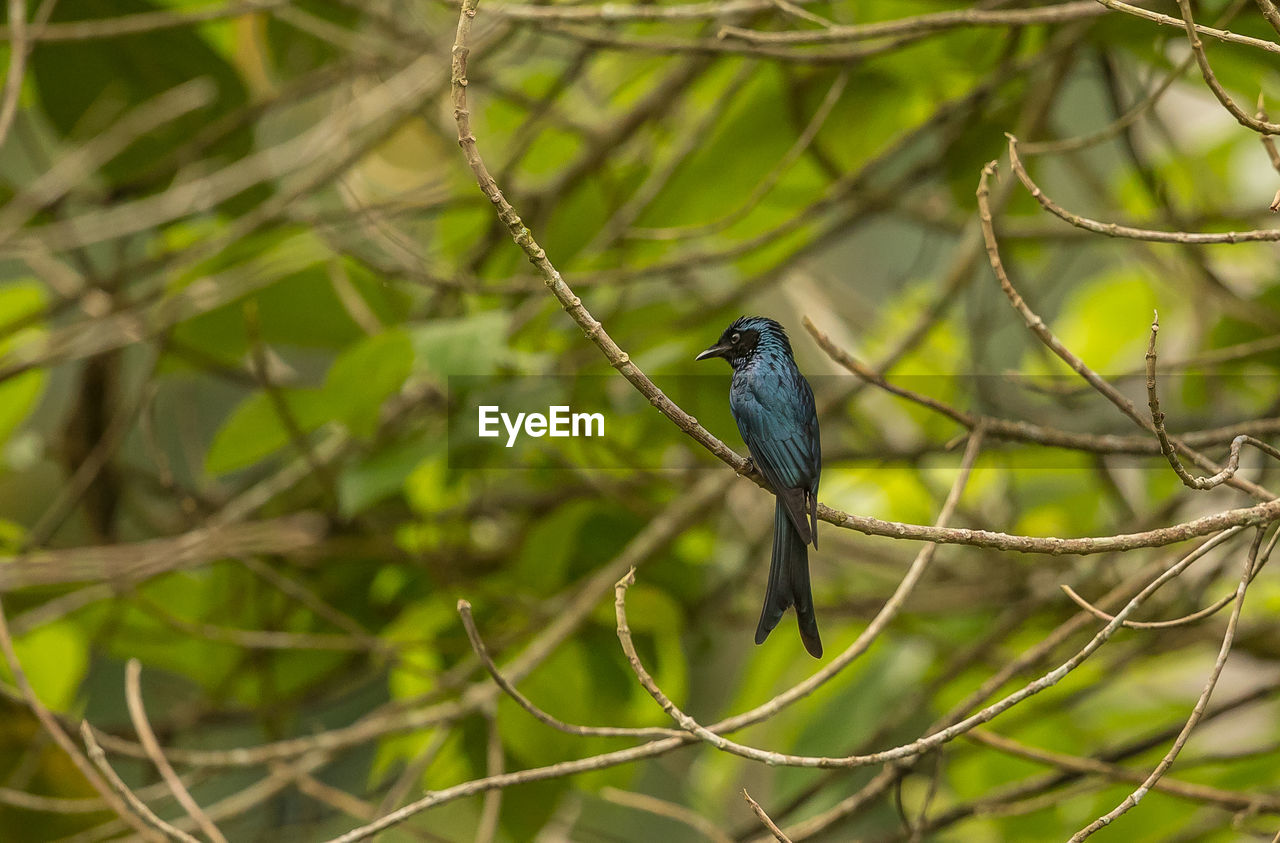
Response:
column 211, row 323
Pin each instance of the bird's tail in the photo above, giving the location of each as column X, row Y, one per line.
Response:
column 789, row 584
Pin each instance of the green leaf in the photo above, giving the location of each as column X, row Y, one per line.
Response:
column 472, row 345
column 358, row 382
column 55, row 658
column 255, row 431
column 19, row 394
column 365, row 375
column 365, row 482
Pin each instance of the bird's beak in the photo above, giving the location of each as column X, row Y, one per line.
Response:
column 713, row 351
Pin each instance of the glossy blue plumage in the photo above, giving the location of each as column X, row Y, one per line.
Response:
column 774, row 408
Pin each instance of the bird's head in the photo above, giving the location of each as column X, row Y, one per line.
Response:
column 747, row 336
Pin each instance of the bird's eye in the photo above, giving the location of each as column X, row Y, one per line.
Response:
column 735, row 337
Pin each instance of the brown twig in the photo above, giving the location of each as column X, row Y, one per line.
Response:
column 924, row 24
column 18, row 48
column 136, row 805
column 1168, row 20
column 523, row 238
column 59, row 735
column 1197, row 48
column 141, row 725
column 1197, row 712
column 1115, row 772
column 1112, row 229
column 477, row 644
column 764, row 818
column 1222, row 537
column 664, row 808
column 1270, row 12
column 1166, row 447
column 905, row 751
column 1050, row 341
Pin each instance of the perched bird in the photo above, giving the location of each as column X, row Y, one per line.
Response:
column 773, row 406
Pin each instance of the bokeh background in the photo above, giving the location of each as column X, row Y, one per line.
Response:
column 250, row 295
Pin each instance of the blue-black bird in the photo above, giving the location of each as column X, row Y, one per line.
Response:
column 773, row 406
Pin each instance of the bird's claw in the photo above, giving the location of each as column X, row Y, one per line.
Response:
column 748, row 468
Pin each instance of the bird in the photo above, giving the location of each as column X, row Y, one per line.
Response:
column 773, row 406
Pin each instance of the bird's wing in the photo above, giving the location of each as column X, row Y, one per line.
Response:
column 784, row 452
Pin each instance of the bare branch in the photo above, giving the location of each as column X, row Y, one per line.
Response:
column 1112, row 229
column 144, row 813
column 1046, row 336
column 1167, row 20
column 1166, row 447
column 477, row 644
column 1197, row 712
column 1197, row 49
column 59, row 735
column 1116, row 772
column 926, row 23
column 141, row 725
column 664, row 808
column 17, row 66
column 764, row 818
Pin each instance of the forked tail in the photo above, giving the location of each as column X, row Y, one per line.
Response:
column 789, row 584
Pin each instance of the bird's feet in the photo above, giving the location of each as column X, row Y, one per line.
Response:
column 748, row 468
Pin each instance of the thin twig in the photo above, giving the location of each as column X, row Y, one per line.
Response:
column 925, row 23
column 1212, row 32
column 141, row 725
column 764, row 818
column 1115, row 127
column 1047, row 337
column 140, row 808
column 1270, row 12
column 477, row 644
column 495, row 762
column 1112, row 229
column 59, row 735
column 664, row 808
column 1197, row 712
column 1194, row 617
column 910, row 750
column 1197, row 48
column 17, row 66
column 523, row 238
column 1115, row 772
column 1166, row 447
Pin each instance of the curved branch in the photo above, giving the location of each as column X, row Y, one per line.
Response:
column 1212, row 32
column 1047, row 337
column 1197, row 49
column 910, row 750
column 137, row 806
column 1197, row 712
column 1208, row 611
column 926, row 23
column 1166, row 447
column 523, row 238
column 1111, row 229
column 141, row 725
column 477, row 644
